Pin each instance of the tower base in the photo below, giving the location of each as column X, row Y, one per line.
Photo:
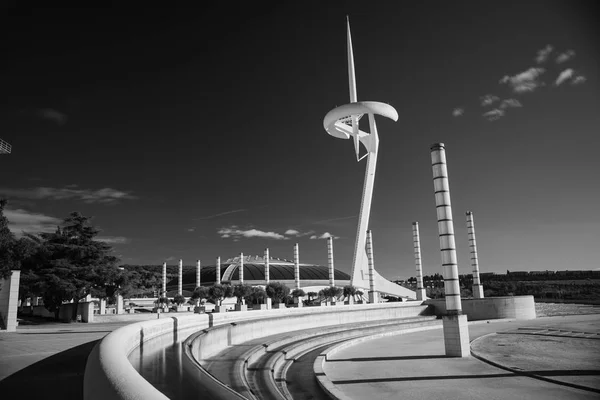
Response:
column 456, row 336
column 421, row 294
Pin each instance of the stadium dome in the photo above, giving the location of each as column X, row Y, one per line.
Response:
column 280, row 270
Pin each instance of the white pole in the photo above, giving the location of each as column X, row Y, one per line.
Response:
column 456, row 329
column 241, row 268
column 164, row 280
column 198, row 267
column 417, row 249
column 218, row 271
column 446, row 229
column 296, row 266
column 267, row 266
column 180, row 284
column 330, row 261
column 373, row 295
column 477, row 286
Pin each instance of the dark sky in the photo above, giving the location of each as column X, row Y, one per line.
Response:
column 196, row 133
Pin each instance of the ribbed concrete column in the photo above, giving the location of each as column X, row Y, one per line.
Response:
column 241, row 268
column 164, row 280
column 477, row 286
column 456, row 332
column 198, row 267
column 330, row 261
column 180, row 283
column 267, row 277
column 296, row 266
column 373, row 295
column 218, row 271
column 417, row 249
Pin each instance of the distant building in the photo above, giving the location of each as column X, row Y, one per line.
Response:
column 254, row 274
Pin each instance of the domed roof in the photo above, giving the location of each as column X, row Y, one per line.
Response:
column 254, row 270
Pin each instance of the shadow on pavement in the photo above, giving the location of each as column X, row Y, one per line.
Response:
column 59, row 376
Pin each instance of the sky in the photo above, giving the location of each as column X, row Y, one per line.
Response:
column 197, row 133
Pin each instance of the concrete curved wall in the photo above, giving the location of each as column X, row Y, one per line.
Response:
column 109, row 374
column 515, row 307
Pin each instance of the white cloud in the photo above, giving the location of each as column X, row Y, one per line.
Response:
column 292, row 232
column 494, row 114
column 457, row 112
column 52, row 115
column 20, row 220
column 102, row 196
column 326, row 235
column 563, row 76
column 236, row 234
column 510, row 103
column 526, row 81
column 543, row 54
column 113, row 239
column 488, row 100
column 564, row 57
column 578, row 79
column 192, row 229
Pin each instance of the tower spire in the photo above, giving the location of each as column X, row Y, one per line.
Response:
column 352, row 88
column 351, row 73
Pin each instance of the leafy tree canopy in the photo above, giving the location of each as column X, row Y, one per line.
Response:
column 242, row 291
column 70, row 264
column 277, row 291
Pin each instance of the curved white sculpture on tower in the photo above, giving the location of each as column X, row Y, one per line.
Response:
column 343, row 122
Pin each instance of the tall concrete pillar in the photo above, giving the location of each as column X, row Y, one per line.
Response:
column 373, row 295
column 164, row 280
column 218, row 271
column 198, row 267
column 267, row 277
column 477, row 286
column 102, row 310
column 9, row 300
column 180, row 282
column 296, row 266
column 241, row 268
column 417, row 249
column 456, row 331
column 330, row 261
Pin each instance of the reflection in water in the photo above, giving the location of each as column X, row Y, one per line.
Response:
column 159, row 361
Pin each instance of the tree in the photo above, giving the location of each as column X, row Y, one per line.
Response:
column 70, row 263
column 13, row 251
column 179, row 299
column 311, row 295
column 277, row 291
column 200, row 294
column 298, row 293
column 258, row 295
column 218, row 292
column 349, row 291
column 241, row 291
column 332, row 292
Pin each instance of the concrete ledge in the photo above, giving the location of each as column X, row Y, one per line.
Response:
column 110, row 375
column 515, row 307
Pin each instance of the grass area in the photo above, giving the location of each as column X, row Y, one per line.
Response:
column 558, row 309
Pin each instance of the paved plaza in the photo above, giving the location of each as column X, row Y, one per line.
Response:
column 514, row 365
column 537, row 359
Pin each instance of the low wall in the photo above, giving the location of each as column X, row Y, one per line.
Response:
column 109, row 374
column 85, row 309
column 514, row 307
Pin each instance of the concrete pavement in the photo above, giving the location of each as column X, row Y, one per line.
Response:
column 47, row 361
column 414, row 365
